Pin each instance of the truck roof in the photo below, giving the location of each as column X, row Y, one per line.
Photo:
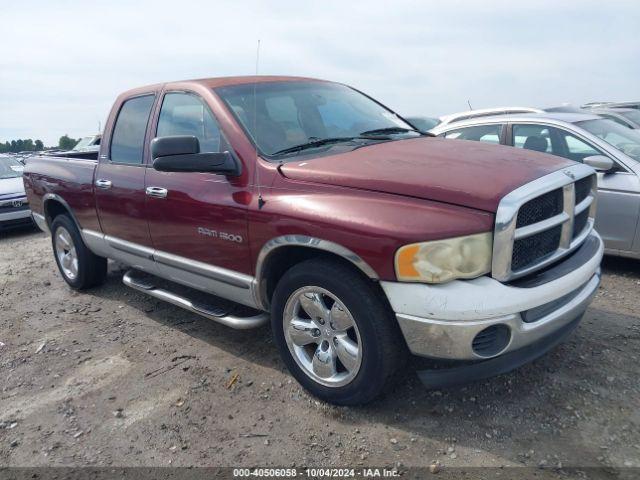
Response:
column 215, row 82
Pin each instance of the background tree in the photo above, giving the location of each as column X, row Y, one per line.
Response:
column 27, row 144
column 66, row 142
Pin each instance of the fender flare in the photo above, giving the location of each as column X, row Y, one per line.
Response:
column 302, row 241
column 49, row 197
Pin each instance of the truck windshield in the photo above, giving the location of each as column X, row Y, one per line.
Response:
column 624, row 139
column 10, row 168
column 280, row 117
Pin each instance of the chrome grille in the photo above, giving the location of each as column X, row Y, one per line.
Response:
column 541, row 208
column 532, row 249
column 580, row 222
column 13, row 204
column 583, row 188
column 542, row 221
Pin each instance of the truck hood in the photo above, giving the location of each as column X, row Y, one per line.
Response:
column 11, row 185
column 460, row 172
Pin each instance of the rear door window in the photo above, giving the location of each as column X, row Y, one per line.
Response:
column 127, row 142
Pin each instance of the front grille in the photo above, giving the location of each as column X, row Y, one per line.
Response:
column 579, row 222
column 542, row 221
column 540, row 208
column 10, row 208
column 583, row 188
column 533, row 249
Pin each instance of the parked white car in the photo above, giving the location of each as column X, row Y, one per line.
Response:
column 89, row 143
column 14, row 208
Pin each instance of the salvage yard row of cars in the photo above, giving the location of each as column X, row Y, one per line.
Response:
column 359, row 237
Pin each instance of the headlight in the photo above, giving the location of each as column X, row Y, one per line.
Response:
column 440, row 261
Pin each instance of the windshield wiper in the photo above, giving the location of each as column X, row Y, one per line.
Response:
column 313, row 144
column 390, row 130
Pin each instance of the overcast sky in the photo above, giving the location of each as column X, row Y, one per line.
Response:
column 63, row 62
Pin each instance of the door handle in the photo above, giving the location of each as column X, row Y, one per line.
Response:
column 157, row 192
column 104, row 184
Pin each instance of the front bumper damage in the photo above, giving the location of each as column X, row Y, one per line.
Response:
column 495, row 327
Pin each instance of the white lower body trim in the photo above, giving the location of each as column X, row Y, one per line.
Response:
column 228, row 284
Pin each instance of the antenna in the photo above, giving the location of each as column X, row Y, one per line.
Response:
column 256, row 177
column 469, row 103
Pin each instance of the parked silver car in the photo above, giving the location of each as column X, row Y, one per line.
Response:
column 14, row 208
column 628, row 117
column 610, row 148
column 635, row 105
column 485, row 112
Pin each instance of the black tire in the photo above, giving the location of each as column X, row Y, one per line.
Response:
column 91, row 269
column 384, row 350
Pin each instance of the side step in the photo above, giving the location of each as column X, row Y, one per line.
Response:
column 209, row 306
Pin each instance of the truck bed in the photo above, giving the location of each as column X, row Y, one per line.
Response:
column 71, row 178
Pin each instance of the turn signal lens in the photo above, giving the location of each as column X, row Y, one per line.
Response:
column 441, row 261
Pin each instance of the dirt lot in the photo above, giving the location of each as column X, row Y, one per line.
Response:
column 111, row 377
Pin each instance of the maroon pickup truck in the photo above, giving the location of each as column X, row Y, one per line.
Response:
column 310, row 204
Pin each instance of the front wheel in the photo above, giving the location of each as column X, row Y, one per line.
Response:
column 335, row 333
column 79, row 266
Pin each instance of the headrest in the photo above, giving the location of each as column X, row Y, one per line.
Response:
column 536, row 143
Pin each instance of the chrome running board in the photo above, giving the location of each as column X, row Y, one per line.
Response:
column 219, row 313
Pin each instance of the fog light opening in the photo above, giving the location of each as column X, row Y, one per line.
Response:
column 491, row 341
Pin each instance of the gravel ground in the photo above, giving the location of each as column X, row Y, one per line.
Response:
column 111, row 377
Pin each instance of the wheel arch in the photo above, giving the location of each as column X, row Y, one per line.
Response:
column 281, row 253
column 54, row 205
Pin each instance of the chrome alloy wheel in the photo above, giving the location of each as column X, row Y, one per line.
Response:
column 322, row 336
column 66, row 253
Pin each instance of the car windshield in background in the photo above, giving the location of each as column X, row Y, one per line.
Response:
column 623, row 138
column 633, row 115
column 83, row 143
column 10, row 168
column 288, row 117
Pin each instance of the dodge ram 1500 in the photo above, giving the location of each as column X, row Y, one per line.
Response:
column 310, row 205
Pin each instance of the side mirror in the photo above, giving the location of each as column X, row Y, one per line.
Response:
column 181, row 153
column 599, row 162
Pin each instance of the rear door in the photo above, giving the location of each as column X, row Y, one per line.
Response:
column 119, row 179
column 198, row 221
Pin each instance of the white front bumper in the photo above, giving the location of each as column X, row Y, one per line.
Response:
column 442, row 321
column 5, row 217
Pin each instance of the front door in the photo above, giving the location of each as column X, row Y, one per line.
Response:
column 618, row 209
column 198, row 221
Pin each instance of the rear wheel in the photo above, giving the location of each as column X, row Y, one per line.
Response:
column 79, row 267
column 335, row 333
